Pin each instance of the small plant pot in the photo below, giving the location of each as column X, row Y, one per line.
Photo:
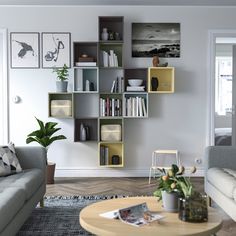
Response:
column 61, row 86
column 193, row 209
column 170, row 201
column 50, row 172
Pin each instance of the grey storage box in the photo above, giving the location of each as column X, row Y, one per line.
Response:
column 61, row 108
column 111, row 133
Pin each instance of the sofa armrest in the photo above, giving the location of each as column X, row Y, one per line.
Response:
column 32, row 157
column 220, row 156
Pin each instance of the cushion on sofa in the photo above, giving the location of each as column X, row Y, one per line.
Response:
column 12, row 200
column 8, row 160
column 28, row 180
column 223, row 179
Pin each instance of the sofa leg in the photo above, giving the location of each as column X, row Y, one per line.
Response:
column 41, row 203
column 209, row 201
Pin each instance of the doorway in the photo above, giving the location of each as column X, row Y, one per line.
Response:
column 3, row 88
column 222, row 117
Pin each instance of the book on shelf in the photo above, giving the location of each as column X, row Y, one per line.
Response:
column 117, row 85
column 135, row 215
column 110, row 107
column 109, row 59
column 86, row 63
column 104, row 155
column 135, row 88
column 135, row 107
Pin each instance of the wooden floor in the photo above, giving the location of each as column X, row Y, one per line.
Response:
column 125, row 187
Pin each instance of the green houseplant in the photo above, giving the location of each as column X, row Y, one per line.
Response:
column 172, row 185
column 45, row 136
column 62, row 76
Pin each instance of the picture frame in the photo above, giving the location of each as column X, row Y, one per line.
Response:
column 156, row 39
column 24, row 50
column 56, row 49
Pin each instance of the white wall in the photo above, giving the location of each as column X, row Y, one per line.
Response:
column 177, row 121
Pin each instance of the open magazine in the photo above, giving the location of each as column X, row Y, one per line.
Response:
column 136, row 215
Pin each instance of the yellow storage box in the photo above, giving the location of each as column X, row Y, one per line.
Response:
column 111, row 133
column 61, row 108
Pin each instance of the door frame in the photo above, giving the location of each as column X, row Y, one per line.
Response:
column 212, row 35
column 4, row 126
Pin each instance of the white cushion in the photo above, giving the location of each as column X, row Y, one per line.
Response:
column 8, row 160
column 224, row 180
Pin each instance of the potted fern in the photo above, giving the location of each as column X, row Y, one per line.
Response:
column 62, row 76
column 44, row 137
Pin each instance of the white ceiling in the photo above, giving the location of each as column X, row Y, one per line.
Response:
column 123, row 2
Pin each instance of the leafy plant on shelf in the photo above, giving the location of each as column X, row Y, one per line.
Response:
column 62, row 74
column 173, row 180
column 44, row 135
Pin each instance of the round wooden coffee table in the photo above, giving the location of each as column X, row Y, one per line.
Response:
column 170, row 225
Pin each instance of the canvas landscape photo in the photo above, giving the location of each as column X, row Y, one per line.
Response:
column 162, row 39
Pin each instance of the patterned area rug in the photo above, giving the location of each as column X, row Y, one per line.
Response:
column 59, row 217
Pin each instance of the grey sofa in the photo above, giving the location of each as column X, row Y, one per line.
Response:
column 20, row 193
column 220, row 177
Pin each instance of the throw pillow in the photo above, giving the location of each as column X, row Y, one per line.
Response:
column 8, row 160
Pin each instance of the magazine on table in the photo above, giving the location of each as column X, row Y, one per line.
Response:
column 136, row 215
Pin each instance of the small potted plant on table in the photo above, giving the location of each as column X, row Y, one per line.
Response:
column 62, row 75
column 44, row 136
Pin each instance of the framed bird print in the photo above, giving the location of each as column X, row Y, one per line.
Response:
column 24, row 50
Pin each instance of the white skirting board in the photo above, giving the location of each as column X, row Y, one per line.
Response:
column 95, row 172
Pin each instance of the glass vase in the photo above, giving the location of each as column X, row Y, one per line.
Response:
column 193, row 209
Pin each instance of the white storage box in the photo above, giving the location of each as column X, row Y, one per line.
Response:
column 111, row 133
column 61, row 108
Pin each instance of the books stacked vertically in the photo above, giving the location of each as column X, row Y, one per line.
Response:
column 109, row 59
column 104, row 155
column 117, row 85
column 110, row 107
column 135, row 107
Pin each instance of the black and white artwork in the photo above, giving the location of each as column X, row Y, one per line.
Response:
column 161, row 39
column 55, row 50
column 24, row 50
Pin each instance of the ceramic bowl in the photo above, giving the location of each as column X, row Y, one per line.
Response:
column 135, row 82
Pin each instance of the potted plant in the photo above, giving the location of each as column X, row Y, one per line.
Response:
column 62, row 76
column 44, row 136
column 172, row 185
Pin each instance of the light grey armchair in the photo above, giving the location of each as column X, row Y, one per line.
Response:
column 220, row 177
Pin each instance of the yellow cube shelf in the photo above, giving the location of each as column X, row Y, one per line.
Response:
column 165, row 77
column 106, row 152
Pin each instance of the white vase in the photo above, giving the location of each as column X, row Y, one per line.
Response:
column 104, row 35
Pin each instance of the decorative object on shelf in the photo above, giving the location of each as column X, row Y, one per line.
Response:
column 61, row 108
column 44, row 137
column 193, row 208
column 83, row 133
column 162, row 39
column 135, row 82
column 87, row 85
column 62, row 75
column 155, row 61
column 115, row 160
column 163, row 64
column 56, row 50
column 154, row 83
column 104, row 35
column 111, row 35
column 24, row 50
column 111, row 132
column 117, row 36
column 91, row 86
column 173, row 182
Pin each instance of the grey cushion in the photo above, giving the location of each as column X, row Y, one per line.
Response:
column 223, row 179
column 8, row 160
column 28, row 180
column 11, row 201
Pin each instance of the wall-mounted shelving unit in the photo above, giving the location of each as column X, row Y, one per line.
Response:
column 102, row 95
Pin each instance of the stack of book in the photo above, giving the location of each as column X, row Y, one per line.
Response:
column 135, row 88
column 110, row 107
column 104, row 155
column 135, row 107
column 110, row 59
column 86, row 61
column 117, row 85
